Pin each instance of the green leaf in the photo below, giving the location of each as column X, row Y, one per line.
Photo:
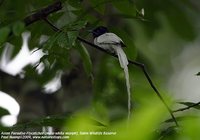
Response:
column 4, row 32
column 82, row 122
column 141, row 128
column 67, row 40
column 77, row 25
column 72, row 35
column 50, row 42
column 3, row 112
column 98, row 5
column 168, row 132
column 195, row 105
column 86, row 58
column 18, row 28
column 62, row 40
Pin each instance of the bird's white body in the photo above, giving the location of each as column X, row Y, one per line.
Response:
column 107, row 40
column 112, row 43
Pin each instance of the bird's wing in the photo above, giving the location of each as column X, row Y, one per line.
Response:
column 110, row 38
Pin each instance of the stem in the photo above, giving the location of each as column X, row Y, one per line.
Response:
column 186, row 108
column 142, row 66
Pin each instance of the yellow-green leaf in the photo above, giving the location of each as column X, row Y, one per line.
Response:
column 86, row 58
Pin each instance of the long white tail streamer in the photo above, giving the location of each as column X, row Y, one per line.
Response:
column 124, row 64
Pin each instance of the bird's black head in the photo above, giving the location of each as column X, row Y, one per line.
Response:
column 99, row 31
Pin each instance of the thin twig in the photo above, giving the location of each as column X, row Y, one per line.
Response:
column 140, row 65
column 186, row 108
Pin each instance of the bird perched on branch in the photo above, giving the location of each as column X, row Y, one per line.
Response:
column 111, row 42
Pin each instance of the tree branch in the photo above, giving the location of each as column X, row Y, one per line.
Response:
column 186, row 108
column 140, row 65
column 44, row 12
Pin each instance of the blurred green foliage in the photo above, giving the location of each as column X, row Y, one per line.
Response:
column 4, row 34
column 3, row 112
column 166, row 25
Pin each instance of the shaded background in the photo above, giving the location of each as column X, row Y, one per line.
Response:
column 165, row 38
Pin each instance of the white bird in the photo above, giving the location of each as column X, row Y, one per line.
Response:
column 111, row 42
